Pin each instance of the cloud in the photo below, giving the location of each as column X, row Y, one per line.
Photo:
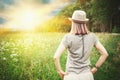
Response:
column 15, row 12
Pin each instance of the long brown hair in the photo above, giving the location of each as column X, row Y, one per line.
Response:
column 79, row 28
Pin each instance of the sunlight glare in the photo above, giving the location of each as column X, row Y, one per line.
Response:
column 25, row 17
column 28, row 19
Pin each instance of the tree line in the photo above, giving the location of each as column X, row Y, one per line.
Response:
column 104, row 15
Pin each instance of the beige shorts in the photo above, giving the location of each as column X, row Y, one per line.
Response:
column 81, row 76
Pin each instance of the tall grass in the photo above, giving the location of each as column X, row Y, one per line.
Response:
column 30, row 56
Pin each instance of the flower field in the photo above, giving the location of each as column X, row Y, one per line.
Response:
column 29, row 56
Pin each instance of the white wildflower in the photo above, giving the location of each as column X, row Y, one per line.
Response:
column 13, row 55
column 15, row 59
column 4, row 58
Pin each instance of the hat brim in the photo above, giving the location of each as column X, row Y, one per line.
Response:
column 79, row 20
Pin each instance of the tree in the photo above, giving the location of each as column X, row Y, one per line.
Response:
column 102, row 13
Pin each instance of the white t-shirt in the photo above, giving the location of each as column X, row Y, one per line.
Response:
column 78, row 55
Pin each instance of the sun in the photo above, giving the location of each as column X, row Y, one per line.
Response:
column 28, row 16
column 25, row 17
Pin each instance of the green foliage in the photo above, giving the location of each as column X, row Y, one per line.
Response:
column 110, row 67
column 60, row 23
column 100, row 13
column 102, row 16
column 56, row 24
column 30, row 56
column 116, row 30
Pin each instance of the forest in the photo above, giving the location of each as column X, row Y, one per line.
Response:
column 104, row 16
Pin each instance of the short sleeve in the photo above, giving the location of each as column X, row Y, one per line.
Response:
column 96, row 39
column 65, row 41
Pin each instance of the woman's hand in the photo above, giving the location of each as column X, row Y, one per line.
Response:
column 61, row 73
column 93, row 70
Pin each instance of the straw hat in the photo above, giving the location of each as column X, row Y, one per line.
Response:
column 79, row 16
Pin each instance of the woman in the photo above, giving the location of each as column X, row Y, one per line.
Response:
column 79, row 43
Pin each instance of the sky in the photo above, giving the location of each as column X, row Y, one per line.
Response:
column 18, row 14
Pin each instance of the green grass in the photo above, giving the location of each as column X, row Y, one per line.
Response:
column 28, row 56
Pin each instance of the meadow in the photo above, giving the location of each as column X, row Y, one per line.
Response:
column 29, row 56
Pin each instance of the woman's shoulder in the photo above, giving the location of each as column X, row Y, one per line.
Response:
column 69, row 36
column 91, row 35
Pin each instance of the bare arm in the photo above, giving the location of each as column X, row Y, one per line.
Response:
column 102, row 58
column 57, row 55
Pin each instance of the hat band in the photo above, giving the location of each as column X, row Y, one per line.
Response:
column 79, row 22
